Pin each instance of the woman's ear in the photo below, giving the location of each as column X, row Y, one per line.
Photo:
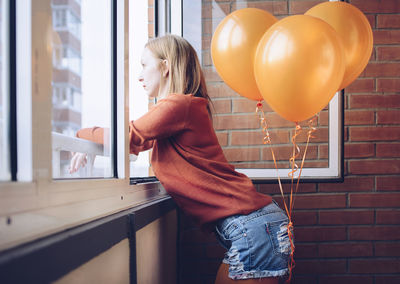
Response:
column 165, row 68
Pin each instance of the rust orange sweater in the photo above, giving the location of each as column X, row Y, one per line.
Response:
column 188, row 160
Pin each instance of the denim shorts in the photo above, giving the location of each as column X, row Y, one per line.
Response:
column 257, row 244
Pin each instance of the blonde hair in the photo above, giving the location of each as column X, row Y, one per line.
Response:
column 186, row 75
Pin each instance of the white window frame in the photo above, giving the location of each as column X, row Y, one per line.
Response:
column 334, row 170
column 37, row 205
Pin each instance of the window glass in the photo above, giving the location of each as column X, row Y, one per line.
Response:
column 235, row 120
column 4, row 94
column 82, row 84
column 141, row 28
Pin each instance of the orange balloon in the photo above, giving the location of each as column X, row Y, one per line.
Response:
column 299, row 65
column 233, row 46
column 355, row 32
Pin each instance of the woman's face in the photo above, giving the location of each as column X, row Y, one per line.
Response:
column 150, row 76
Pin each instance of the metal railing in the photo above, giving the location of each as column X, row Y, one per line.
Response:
column 61, row 142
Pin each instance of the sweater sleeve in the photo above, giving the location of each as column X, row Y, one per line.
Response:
column 167, row 118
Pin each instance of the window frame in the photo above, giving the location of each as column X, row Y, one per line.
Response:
column 335, row 170
column 35, row 204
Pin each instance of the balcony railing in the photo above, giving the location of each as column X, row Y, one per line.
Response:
column 62, row 142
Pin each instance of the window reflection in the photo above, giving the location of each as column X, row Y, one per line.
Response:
column 81, row 84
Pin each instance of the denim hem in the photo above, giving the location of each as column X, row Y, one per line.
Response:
column 259, row 274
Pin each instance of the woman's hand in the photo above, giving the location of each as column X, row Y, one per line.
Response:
column 78, row 160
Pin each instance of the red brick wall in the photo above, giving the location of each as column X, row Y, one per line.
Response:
column 345, row 232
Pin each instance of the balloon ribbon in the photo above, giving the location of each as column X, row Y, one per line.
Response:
column 294, row 168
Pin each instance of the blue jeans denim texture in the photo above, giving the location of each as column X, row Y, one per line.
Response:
column 257, row 244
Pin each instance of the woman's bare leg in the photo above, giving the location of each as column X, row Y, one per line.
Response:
column 223, row 278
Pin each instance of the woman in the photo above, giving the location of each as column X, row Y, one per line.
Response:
column 189, row 162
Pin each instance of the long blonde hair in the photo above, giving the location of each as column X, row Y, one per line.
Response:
column 186, row 75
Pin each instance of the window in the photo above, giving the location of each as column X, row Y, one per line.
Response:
column 161, row 18
column 235, row 120
column 82, row 85
column 4, row 93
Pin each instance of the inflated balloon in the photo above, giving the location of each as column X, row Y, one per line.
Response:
column 355, row 32
column 299, row 65
column 233, row 46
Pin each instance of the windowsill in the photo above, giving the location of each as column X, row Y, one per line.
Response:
column 50, row 213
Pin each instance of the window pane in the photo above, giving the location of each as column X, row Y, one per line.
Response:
column 235, row 121
column 141, row 15
column 4, row 93
column 82, row 85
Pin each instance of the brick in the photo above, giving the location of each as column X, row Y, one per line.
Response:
column 375, row 233
column 320, row 135
column 388, row 85
column 388, row 21
column 348, row 279
column 361, row 85
column 387, row 249
column 386, row 53
column 388, row 217
column 374, row 167
column 381, row 70
column 375, row 133
column 359, row 117
column 306, row 251
column 246, row 105
column 371, row 266
column 301, row 218
column 345, row 250
column 374, row 101
column 274, row 120
column 323, row 151
column 390, row 279
column 386, row 36
column 320, row 266
column 211, row 75
column 222, row 138
column 388, row 150
column 220, row 90
column 150, row 12
column 206, row 58
column 374, row 200
column 221, row 106
column 285, row 153
column 323, row 118
column 320, row 201
column 242, row 154
column 349, row 184
column 300, row 7
column 274, row 188
column 388, row 183
column 359, row 150
column 256, row 137
column 371, row 20
column 317, row 234
column 222, row 122
column 346, row 217
column 273, row 7
column 377, row 6
column 388, row 117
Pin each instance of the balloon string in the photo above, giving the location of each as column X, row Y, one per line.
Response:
column 311, row 130
column 267, row 140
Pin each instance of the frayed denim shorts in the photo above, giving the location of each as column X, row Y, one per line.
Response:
column 257, row 244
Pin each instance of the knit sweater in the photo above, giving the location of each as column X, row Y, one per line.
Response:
column 188, row 160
